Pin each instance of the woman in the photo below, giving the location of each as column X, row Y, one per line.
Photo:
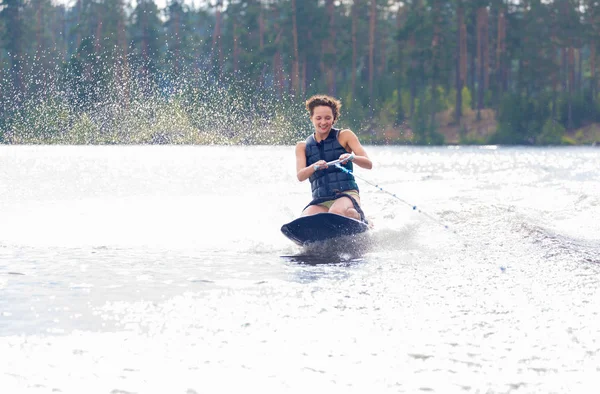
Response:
column 333, row 190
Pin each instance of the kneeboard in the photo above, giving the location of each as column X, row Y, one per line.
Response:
column 322, row 227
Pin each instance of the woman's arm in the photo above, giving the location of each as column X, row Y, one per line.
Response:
column 350, row 141
column 302, row 171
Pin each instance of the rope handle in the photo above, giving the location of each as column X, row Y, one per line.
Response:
column 336, row 162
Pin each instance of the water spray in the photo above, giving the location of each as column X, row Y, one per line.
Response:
column 414, row 207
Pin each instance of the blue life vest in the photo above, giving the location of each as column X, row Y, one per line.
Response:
column 330, row 181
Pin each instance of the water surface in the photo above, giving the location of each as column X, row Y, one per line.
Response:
column 155, row 269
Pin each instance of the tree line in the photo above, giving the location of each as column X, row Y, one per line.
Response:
column 114, row 71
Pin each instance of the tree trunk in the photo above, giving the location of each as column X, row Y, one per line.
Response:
column 236, row 48
column 571, row 65
column 261, row 43
column 400, row 22
column 413, row 79
column 277, row 58
column 296, row 61
column 304, row 63
column 78, row 35
column 122, row 42
column 435, row 60
column 486, row 52
column 463, row 50
column 216, row 41
column 459, row 61
column 579, row 70
column 593, row 69
column 38, row 38
column 555, row 77
column 372, row 21
column 98, row 35
column 382, row 39
column 145, row 43
column 354, row 44
column 565, row 69
column 177, row 54
column 472, row 77
column 15, row 45
column 482, row 62
column 500, row 54
column 330, row 69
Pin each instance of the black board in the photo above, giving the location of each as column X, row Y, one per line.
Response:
column 322, row 227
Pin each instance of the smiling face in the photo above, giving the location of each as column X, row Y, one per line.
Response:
column 322, row 119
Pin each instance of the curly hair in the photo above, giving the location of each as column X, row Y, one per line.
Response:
column 324, row 100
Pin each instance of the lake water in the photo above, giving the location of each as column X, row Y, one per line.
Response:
column 161, row 269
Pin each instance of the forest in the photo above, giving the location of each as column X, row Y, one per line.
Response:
column 422, row 72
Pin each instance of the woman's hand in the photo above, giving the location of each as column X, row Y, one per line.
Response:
column 320, row 165
column 345, row 157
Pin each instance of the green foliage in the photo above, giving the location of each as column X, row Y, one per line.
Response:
column 84, row 131
column 145, row 31
column 389, row 113
column 521, row 119
column 423, row 124
column 86, row 77
column 405, row 102
column 353, row 114
column 581, row 109
column 488, row 98
column 451, row 99
column 566, row 140
column 512, row 122
column 145, row 75
column 464, row 138
column 552, row 133
column 39, row 122
column 466, row 99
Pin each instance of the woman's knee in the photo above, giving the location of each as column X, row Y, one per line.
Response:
column 345, row 211
column 313, row 209
column 340, row 210
column 353, row 213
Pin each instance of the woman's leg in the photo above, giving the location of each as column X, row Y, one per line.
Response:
column 344, row 206
column 312, row 209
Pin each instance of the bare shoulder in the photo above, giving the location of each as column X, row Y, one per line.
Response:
column 346, row 135
column 300, row 146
